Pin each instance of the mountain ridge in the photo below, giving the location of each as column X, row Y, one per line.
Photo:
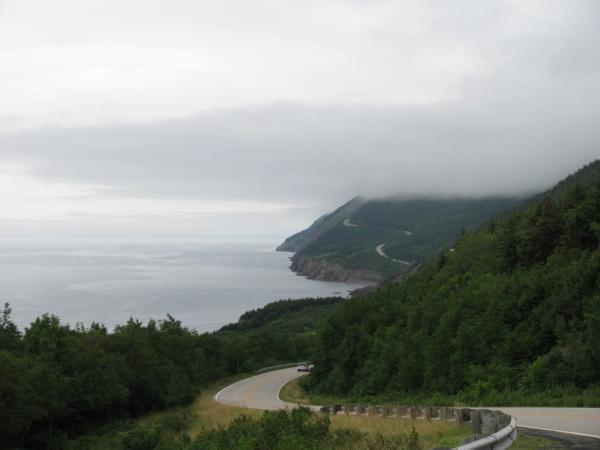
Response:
column 300, row 240
column 348, row 244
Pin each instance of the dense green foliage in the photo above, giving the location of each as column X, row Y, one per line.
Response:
column 298, row 429
column 57, row 381
column 412, row 231
column 512, row 314
column 292, row 316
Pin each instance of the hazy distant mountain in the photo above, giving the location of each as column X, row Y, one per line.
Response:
column 588, row 175
column 300, row 240
column 369, row 240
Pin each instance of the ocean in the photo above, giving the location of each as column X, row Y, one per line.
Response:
column 205, row 284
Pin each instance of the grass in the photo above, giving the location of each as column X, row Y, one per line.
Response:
column 528, row 442
column 431, row 434
column 209, row 413
column 206, row 413
column 294, row 393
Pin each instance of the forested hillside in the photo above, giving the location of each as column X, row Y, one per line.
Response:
column 299, row 241
column 344, row 245
column 512, row 315
column 57, row 381
column 289, row 316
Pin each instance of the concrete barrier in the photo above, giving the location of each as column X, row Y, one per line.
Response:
column 492, row 430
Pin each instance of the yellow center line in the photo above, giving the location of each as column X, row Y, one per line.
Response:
column 249, row 394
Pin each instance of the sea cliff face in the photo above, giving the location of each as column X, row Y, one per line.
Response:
column 320, row 269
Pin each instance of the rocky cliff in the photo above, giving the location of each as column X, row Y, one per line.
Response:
column 321, row 269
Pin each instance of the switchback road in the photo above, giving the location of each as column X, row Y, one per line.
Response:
column 262, row 392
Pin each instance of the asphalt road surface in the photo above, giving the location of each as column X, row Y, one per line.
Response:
column 563, row 441
column 262, row 392
column 583, row 421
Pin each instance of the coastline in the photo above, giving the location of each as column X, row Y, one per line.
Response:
column 323, row 270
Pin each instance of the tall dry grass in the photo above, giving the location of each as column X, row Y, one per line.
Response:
column 431, row 434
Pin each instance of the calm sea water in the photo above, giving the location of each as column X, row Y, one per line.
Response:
column 203, row 284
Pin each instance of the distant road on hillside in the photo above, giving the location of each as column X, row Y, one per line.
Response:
column 381, row 252
column 262, row 392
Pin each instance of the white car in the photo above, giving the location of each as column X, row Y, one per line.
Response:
column 304, row 366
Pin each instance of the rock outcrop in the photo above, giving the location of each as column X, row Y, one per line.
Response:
column 321, row 269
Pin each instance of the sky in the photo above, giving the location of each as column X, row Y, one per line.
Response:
column 243, row 119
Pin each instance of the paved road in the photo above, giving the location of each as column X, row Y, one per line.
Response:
column 584, row 421
column 563, row 441
column 262, row 392
column 380, row 252
column 259, row 392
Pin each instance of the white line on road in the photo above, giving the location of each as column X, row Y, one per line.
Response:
column 558, row 431
column 231, row 385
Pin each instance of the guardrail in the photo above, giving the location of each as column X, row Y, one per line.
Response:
column 492, row 430
column 500, row 440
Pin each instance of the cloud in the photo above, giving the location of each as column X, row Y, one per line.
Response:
column 308, row 107
column 69, row 62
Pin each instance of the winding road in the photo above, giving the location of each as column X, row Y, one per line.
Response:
column 262, row 392
column 380, row 252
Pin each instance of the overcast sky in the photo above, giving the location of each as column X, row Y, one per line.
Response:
column 243, row 118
